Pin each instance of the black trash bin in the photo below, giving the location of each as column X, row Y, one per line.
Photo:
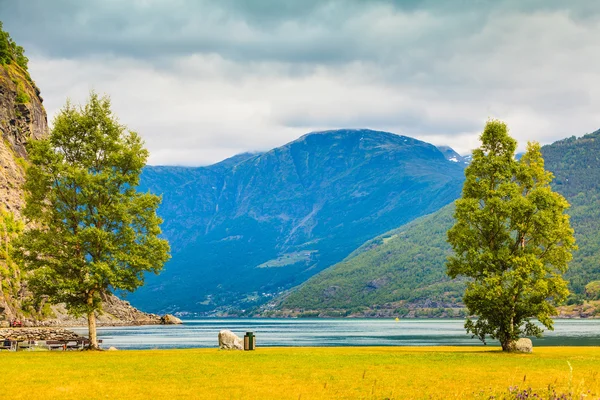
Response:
column 249, row 341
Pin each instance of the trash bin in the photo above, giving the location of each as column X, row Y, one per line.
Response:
column 249, row 341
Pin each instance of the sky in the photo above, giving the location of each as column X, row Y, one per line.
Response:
column 202, row 80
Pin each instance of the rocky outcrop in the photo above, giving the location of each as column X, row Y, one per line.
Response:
column 38, row 334
column 587, row 309
column 116, row 312
column 169, row 319
column 522, row 345
column 230, row 341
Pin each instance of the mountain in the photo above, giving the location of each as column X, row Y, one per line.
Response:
column 404, row 269
column 246, row 229
column 453, row 156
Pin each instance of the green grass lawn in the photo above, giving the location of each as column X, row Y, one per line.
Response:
column 297, row 373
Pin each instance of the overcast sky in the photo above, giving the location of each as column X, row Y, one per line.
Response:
column 203, row 80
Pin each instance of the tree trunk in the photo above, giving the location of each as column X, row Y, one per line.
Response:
column 92, row 330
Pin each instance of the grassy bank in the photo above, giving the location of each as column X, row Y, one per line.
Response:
column 297, row 373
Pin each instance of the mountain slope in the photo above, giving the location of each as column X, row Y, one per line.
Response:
column 575, row 163
column 406, row 266
column 247, row 228
column 403, row 266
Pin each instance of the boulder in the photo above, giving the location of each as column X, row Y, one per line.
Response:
column 522, row 345
column 112, row 348
column 230, row 341
column 169, row 319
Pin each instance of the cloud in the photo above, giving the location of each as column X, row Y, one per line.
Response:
column 202, row 80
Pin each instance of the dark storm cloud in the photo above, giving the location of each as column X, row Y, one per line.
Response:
column 296, row 31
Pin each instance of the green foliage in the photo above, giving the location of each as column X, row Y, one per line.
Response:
column 10, row 227
column 512, row 238
column 10, row 276
column 592, row 290
column 91, row 231
column 22, row 96
column 10, row 51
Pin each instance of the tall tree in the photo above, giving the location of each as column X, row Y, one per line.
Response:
column 511, row 238
column 90, row 231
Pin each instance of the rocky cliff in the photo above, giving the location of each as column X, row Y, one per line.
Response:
column 22, row 118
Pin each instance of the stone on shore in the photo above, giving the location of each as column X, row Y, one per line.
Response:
column 230, row 341
column 522, row 345
column 112, row 348
column 38, row 334
column 169, row 319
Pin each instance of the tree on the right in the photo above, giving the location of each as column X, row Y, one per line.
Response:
column 511, row 239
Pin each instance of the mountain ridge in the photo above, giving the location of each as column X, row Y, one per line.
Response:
column 273, row 219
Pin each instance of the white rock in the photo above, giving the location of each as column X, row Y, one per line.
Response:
column 230, row 341
column 523, row 345
column 111, row 348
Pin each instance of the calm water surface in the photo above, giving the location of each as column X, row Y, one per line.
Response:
column 328, row 332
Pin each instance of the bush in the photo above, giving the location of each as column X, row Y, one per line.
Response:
column 575, row 299
column 22, row 96
column 592, row 290
column 9, row 51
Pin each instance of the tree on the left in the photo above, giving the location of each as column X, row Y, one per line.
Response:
column 90, row 232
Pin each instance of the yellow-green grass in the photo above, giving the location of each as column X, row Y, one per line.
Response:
column 297, row 373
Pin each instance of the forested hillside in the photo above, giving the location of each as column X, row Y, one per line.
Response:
column 404, row 269
column 575, row 163
column 387, row 274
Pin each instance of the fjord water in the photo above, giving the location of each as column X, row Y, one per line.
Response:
column 329, row 332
